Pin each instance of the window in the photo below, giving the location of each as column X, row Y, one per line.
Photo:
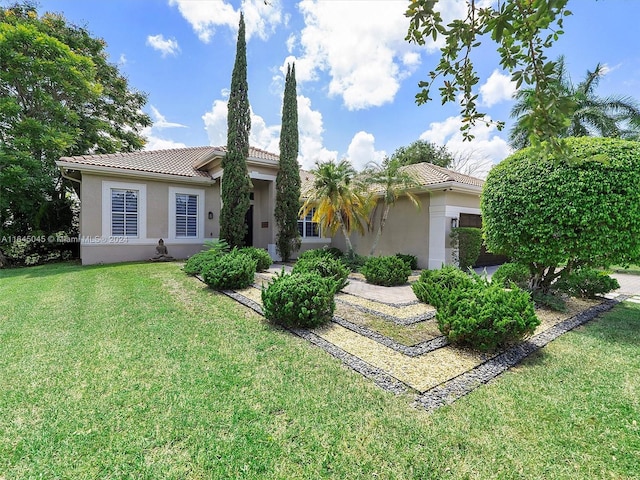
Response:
column 124, row 212
column 308, row 228
column 186, row 215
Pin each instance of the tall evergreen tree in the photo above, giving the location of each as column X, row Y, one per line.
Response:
column 288, row 179
column 236, row 184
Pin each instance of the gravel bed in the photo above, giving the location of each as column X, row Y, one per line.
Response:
column 456, row 388
column 411, row 351
column 392, row 318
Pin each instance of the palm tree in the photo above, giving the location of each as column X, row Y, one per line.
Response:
column 340, row 201
column 591, row 115
column 393, row 182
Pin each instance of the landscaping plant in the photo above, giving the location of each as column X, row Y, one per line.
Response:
column 299, row 300
column 260, row 255
column 235, row 270
column 388, row 271
column 327, row 267
column 586, row 283
column 410, row 260
column 466, row 243
column 435, row 286
column 558, row 213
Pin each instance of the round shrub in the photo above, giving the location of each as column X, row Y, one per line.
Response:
column 299, row 300
column 260, row 255
column 434, row 286
column 196, row 263
column 353, row 261
column 509, row 273
column 314, row 253
column 411, row 260
column 586, row 283
column 234, row 270
column 326, row 267
column 388, row 271
column 578, row 207
column 486, row 317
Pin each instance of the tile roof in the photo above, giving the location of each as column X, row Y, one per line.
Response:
column 426, row 174
column 176, row 161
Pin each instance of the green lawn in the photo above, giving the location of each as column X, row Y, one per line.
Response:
column 631, row 269
column 137, row 371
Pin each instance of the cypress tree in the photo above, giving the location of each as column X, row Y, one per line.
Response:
column 288, row 179
column 236, row 184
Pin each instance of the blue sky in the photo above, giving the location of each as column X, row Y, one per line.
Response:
column 357, row 76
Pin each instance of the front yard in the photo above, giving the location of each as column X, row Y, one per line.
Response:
column 138, row 371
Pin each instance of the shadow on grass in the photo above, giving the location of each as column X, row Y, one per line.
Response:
column 621, row 325
column 62, row 268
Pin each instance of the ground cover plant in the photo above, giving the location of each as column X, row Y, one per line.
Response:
column 140, row 371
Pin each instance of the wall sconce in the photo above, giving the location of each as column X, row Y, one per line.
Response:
column 210, row 215
column 454, row 223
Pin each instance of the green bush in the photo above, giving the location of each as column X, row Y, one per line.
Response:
column 586, row 283
column 299, row 300
column 314, row 253
column 486, row 317
column 196, row 262
column 335, row 252
column 327, row 267
column 411, row 260
column 235, row 270
column 388, row 271
column 353, row 261
column 509, row 273
column 260, row 255
column 550, row 300
column 573, row 209
column 466, row 243
column 435, row 286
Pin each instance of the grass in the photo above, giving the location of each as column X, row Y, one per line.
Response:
column 630, row 270
column 138, row 371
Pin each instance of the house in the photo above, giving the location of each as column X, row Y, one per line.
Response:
column 447, row 199
column 128, row 201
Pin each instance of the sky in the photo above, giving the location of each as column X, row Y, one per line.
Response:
column 357, row 76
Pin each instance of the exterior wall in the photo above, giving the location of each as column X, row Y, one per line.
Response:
column 406, row 231
column 445, row 207
column 98, row 246
column 423, row 233
column 263, row 216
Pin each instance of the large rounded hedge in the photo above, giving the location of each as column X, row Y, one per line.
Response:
column 582, row 209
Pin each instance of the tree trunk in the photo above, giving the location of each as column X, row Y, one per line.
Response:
column 383, row 221
column 343, row 227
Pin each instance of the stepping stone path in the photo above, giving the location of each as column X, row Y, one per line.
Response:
column 388, row 336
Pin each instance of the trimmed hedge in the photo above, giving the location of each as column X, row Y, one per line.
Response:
column 435, row 286
column 586, row 283
column 299, row 300
column 509, row 273
column 387, row 271
column 235, row 270
column 260, row 255
column 411, row 260
column 196, row 262
column 467, row 243
column 327, row 267
column 487, row 317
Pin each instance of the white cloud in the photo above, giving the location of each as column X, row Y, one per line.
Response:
column 267, row 137
column 487, row 148
column 260, row 18
column 122, row 60
column 160, row 121
column 362, row 150
column 497, row 88
column 157, row 143
column 164, row 46
column 366, row 59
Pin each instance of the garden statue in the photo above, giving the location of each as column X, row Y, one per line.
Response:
column 162, row 253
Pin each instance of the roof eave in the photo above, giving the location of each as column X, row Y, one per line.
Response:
column 123, row 172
